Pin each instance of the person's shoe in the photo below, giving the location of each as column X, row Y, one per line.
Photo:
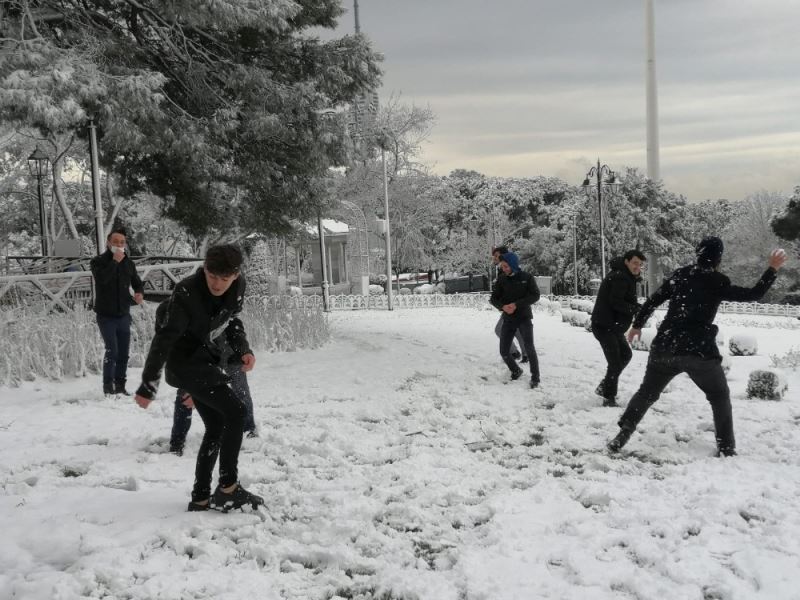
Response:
column 238, row 498
column 253, row 433
column 196, row 507
column 108, row 389
column 119, row 388
column 176, row 450
column 534, row 384
column 612, row 402
column 515, row 355
column 600, row 390
column 524, row 359
column 726, row 451
column 620, row 440
column 516, row 374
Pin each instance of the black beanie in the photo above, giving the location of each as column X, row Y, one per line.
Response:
column 709, row 251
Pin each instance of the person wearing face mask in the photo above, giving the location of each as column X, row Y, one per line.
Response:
column 114, row 276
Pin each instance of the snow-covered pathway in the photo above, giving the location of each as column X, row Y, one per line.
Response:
column 398, row 462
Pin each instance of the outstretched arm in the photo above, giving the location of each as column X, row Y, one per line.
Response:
column 735, row 293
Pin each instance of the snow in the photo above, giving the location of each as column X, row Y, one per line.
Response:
column 399, row 462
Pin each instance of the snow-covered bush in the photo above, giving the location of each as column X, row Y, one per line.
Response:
column 743, row 345
column 440, row 288
column 580, row 319
column 425, row 288
column 405, row 291
column 767, row 384
column 295, row 291
column 566, row 315
column 644, row 341
column 581, row 305
column 790, row 360
column 374, row 288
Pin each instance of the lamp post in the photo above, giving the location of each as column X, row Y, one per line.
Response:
column 605, row 181
column 575, row 252
column 38, row 163
column 382, row 141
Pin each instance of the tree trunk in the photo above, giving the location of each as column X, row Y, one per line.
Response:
column 58, row 192
column 115, row 204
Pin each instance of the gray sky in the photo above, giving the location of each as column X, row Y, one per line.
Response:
column 545, row 87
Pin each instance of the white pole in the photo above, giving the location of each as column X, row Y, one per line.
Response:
column 100, row 234
column 653, row 161
column 389, row 304
column 325, row 297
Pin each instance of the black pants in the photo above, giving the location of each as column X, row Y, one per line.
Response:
column 518, row 337
column 706, row 373
column 116, row 332
column 182, row 416
column 618, row 354
column 512, row 325
column 223, row 415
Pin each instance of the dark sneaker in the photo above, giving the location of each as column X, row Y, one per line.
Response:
column 515, row 355
column 236, row 499
column 534, row 384
column 176, row 450
column 600, row 390
column 618, row 442
column 610, row 402
column 119, row 388
column 108, row 389
column 516, row 374
column 252, row 434
column 726, row 451
column 524, row 359
column 195, row 507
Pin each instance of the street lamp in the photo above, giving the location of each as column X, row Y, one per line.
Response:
column 383, row 142
column 605, row 181
column 38, row 164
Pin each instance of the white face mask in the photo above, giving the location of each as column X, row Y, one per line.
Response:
column 115, row 249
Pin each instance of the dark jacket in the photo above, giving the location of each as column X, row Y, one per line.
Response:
column 694, row 294
column 112, row 283
column 519, row 288
column 616, row 301
column 195, row 333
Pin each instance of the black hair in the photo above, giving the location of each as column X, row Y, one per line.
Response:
column 501, row 249
column 225, row 259
column 637, row 253
column 120, row 230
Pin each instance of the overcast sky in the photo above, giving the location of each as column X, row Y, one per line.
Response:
column 545, row 87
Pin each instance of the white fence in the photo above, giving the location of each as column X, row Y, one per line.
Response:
column 481, row 300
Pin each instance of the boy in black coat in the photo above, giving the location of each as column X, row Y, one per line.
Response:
column 614, row 307
column 686, row 339
column 514, row 293
column 203, row 308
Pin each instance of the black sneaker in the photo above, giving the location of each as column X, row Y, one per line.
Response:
column 108, row 389
column 600, row 390
column 238, row 498
column 515, row 355
column 620, row 440
column 253, row 433
column 534, row 384
column 516, row 374
column 612, row 402
column 195, row 507
column 119, row 388
column 176, row 450
column 524, row 359
column 726, row 451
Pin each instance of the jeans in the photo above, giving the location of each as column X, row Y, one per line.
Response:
column 618, row 354
column 223, row 414
column 182, row 416
column 498, row 328
column 706, row 373
column 116, row 332
column 524, row 327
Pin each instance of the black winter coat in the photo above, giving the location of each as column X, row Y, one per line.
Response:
column 195, row 333
column 694, row 294
column 519, row 288
column 616, row 301
column 112, row 283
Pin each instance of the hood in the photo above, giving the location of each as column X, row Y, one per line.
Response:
column 709, row 252
column 512, row 260
column 618, row 264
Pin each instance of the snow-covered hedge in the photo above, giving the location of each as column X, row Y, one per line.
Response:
column 374, row 288
column 643, row 341
column 405, row 291
column 425, row 288
column 582, row 305
column 767, row 384
column 742, row 344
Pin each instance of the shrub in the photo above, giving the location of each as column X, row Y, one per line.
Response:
column 766, row 385
column 790, row 360
column 743, row 345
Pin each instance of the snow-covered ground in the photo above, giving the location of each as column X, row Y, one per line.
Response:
column 399, row 462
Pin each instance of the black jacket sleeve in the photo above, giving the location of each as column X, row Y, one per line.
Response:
column 136, row 281
column 734, row 293
column 176, row 321
column 658, row 298
column 533, row 293
column 616, row 297
column 235, row 334
column 497, row 293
